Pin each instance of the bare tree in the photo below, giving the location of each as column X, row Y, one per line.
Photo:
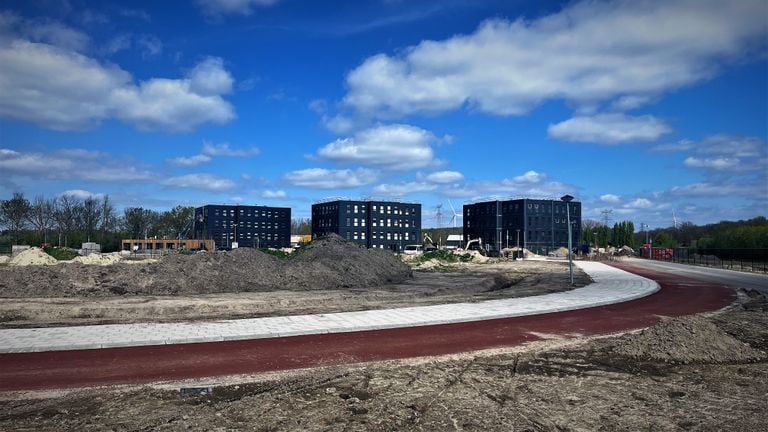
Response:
column 91, row 215
column 14, row 213
column 68, row 215
column 41, row 215
column 108, row 217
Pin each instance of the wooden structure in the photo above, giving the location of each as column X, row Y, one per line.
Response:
column 160, row 245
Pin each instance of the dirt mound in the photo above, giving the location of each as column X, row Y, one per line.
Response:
column 625, row 251
column 4, row 259
column 32, row 256
column 98, row 259
column 330, row 263
column 561, row 252
column 684, row 340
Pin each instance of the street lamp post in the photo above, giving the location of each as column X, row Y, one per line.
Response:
column 518, row 244
column 567, row 199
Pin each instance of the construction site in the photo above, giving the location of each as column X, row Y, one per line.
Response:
column 657, row 362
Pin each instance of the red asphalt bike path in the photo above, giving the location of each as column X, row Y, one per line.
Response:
column 132, row 365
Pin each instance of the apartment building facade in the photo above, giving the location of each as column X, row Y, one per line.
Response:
column 540, row 225
column 374, row 224
column 231, row 226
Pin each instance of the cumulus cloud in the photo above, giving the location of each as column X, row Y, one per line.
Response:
column 722, row 152
column 444, row 177
column 224, row 149
column 610, row 198
column 587, row 52
column 609, row 129
column 203, row 181
column 320, row 178
column 188, row 161
column 269, row 194
column 220, row 8
column 403, row 188
column 59, row 88
column 397, row 147
column 639, row 203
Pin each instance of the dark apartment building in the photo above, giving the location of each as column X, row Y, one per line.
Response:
column 243, row 226
column 539, row 225
column 374, row 224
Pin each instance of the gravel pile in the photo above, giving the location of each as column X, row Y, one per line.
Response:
column 690, row 339
column 330, row 263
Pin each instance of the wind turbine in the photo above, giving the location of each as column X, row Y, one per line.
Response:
column 455, row 215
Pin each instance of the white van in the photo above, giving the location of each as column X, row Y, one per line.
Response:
column 413, row 250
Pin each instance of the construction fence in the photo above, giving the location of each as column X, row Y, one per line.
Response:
column 749, row 260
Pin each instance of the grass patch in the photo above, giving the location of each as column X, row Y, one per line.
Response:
column 445, row 255
column 274, row 252
column 61, row 254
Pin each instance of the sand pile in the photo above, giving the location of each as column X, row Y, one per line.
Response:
column 562, row 252
column 4, row 259
column 32, row 256
column 625, row 251
column 684, row 340
column 98, row 259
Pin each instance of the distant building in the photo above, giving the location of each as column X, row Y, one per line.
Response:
column 374, row 224
column 539, row 225
column 232, row 226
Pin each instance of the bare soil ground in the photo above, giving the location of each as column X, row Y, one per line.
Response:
column 700, row 373
column 330, row 276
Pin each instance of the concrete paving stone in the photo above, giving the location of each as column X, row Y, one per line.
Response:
column 610, row 286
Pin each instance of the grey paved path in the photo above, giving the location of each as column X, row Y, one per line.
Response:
column 611, row 286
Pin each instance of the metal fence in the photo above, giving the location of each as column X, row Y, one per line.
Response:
column 749, row 260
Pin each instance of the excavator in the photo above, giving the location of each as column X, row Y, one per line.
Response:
column 471, row 242
column 429, row 244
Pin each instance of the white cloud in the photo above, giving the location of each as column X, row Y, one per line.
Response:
column 397, row 146
column 190, row 161
column 70, row 164
column 269, row 194
column 58, row 88
column 445, row 177
column 530, row 177
column 714, row 163
column 224, row 149
column 57, row 34
column 707, row 189
column 639, row 203
column 610, row 198
column 609, row 129
column 202, row 181
column 403, row 188
column 626, row 103
column 589, row 51
column 320, row 178
column 338, row 124
column 209, row 78
column 722, row 152
column 81, row 194
column 168, row 104
column 219, row 8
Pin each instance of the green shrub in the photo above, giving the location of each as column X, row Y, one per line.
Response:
column 445, row 255
column 61, row 254
column 275, row 252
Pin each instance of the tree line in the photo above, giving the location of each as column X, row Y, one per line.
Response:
column 742, row 234
column 69, row 220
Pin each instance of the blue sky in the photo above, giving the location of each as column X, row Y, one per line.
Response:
column 644, row 108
